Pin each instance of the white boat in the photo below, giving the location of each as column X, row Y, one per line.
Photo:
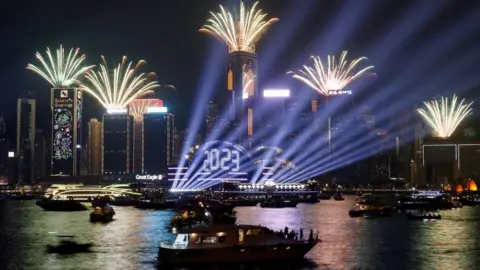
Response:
column 427, row 194
column 87, row 194
column 231, row 243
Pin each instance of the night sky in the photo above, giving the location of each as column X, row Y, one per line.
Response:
column 397, row 36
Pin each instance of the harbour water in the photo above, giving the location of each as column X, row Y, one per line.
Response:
column 131, row 241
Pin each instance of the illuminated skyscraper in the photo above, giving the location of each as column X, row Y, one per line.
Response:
column 158, row 141
column 66, row 131
column 41, row 155
column 117, row 141
column 243, row 85
column 26, row 140
column 94, row 147
column 240, row 31
column 138, row 108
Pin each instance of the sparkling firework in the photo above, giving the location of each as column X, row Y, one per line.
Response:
column 444, row 116
column 118, row 90
column 60, row 71
column 138, row 107
column 332, row 75
column 241, row 32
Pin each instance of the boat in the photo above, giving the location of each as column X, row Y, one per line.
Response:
column 324, row 196
column 370, row 208
column 21, row 196
column 424, row 215
column 116, row 201
column 69, row 247
column 155, row 203
column 88, row 194
column 232, row 243
column 190, row 219
column 277, row 202
column 424, row 202
column 338, row 197
column 240, row 201
column 60, row 205
column 102, row 214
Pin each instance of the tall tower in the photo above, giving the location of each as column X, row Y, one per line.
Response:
column 117, row 141
column 66, row 131
column 138, row 108
column 158, row 131
column 26, row 140
column 94, row 148
column 240, row 34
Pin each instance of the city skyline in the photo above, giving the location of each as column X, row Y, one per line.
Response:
column 273, row 8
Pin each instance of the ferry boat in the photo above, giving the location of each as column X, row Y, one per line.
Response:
column 424, row 215
column 232, row 243
column 88, row 194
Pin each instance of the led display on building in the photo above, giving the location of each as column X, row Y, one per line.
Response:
column 66, row 122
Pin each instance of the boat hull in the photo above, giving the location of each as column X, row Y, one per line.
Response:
column 237, row 254
column 94, row 217
column 61, row 206
column 278, row 205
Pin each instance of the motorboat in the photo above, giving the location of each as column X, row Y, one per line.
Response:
column 60, row 205
column 68, row 247
column 215, row 215
column 370, row 208
column 240, row 201
column 190, row 219
column 102, row 214
column 277, row 202
column 21, row 196
column 470, row 199
column 424, row 215
column 324, row 196
column 155, row 204
column 116, row 201
column 338, row 197
column 424, row 203
column 232, row 243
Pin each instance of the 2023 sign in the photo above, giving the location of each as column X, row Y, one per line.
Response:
column 224, row 159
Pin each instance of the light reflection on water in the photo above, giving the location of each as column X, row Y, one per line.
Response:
column 131, row 241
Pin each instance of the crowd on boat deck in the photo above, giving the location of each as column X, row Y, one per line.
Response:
column 291, row 235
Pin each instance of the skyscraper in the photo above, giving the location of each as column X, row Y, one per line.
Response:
column 94, row 147
column 40, row 155
column 138, row 108
column 159, row 140
column 26, row 139
column 242, row 83
column 117, row 141
column 7, row 159
column 66, row 131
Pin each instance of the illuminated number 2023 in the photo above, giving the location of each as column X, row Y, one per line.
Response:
column 215, row 160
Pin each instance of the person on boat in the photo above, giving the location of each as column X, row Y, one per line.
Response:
column 310, row 237
column 301, row 233
column 285, row 231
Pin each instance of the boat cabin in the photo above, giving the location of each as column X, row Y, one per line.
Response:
column 222, row 235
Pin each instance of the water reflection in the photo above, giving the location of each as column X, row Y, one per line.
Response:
column 131, row 241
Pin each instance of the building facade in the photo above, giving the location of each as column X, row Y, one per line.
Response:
column 66, row 131
column 7, row 157
column 25, row 150
column 159, row 142
column 41, row 155
column 94, row 147
column 117, row 141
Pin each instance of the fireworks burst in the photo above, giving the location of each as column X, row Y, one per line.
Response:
column 444, row 116
column 241, row 32
column 60, row 71
column 138, row 107
column 332, row 75
column 118, row 90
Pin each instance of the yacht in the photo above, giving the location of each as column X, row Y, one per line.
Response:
column 231, row 243
column 55, row 188
column 88, row 194
column 427, row 194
